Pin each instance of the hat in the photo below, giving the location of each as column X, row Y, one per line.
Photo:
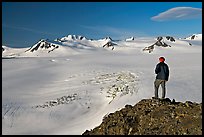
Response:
column 161, row 59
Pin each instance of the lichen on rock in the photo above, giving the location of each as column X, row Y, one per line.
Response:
column 153, row 117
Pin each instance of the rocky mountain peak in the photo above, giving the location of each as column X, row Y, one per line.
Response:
column 43, row 44
column 160, row 42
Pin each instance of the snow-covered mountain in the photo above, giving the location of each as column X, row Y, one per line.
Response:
column 161, row 42
column 194, row 40
column 43, row 45
column 73, row 44
column 73, row 37
column 12, row 52
column 130, row 39
column 194, row 37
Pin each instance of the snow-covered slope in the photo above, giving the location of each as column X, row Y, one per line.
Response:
column 73, row 37
column 194, row 37
column 194, row 40
column 12, row 52
column 169, row 44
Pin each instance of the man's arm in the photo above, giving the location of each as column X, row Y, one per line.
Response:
column 167, row 68
column 157, row 69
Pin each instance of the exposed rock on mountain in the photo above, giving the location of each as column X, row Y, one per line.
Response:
column 153, row 117
column 194, row 37
column 109, row 45
column 43, row 44
column 159, row 42
column 3, row 49
column 150, row 48
column 170, row 38
column 108, row 38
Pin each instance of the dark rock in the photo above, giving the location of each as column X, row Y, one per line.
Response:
column 153, row 117
column 150, row 48
column 43, row 44
column 170, row 38
column 2, row 49
column 159, row 43
column 159, row 38
column 193, row 37
column 109, row 44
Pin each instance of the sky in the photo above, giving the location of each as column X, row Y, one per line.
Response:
column 25, row 23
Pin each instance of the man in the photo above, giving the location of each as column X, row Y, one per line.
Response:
column 162, row 71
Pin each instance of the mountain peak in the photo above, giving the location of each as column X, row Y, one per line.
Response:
column 73, row 37
column 43, row 44
column 108, row 38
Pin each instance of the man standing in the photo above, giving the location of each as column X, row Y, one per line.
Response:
column 162, row 71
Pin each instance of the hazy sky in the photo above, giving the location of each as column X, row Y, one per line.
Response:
column 24, row 23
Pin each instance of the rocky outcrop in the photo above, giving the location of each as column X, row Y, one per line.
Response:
column 149, row 49
column 191, row 37
column 159, row 43
column 3, row 49
column 43, row 45
column 153, row 117
column 170, row 38
column 109, row 45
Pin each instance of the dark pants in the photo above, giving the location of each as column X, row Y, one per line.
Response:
column 157, row 83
